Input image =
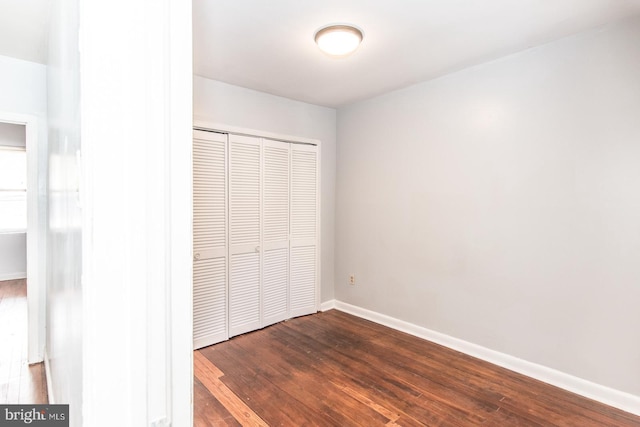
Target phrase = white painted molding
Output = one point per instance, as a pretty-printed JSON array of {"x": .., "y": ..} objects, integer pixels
[
  {"x": 47, "y": 372},
  {"x": 200, "y": 123},
  {"x": 328, "y": 305},
  {"x": 13, "y": 276},
  {"x": 609, "y": 396}
]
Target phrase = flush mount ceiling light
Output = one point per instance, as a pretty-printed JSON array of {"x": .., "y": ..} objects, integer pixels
[{"x": 338, "y": 40}]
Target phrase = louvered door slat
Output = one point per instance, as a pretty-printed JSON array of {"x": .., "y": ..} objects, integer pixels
[
  {"x": 244, "y": 233},
  {"x": 244, "y": 295},
  {"x": 275, "y": 231},
  {"x": 303, "y": 279},
  {"x": 255, "y": 209},
  {"x": 275, "y": 285},
  {"x": 304, "y": 230},
  {"x": 245, "y": 191},
  {"x": 209, "y": 302},
  {"x": 209, "y": 238}
]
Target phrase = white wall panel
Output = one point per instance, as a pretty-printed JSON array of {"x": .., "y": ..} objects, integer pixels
[
  {"x": 65, "y": 294},
  {"x": 136, "y": 191}
]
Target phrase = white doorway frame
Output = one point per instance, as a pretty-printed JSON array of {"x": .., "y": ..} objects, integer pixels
[{"x": 35, "y": 265}]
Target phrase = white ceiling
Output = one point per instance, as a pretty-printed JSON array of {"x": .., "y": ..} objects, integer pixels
[
  {"x": 24, "y": 26},
  {"x": 268, "y": 45}
]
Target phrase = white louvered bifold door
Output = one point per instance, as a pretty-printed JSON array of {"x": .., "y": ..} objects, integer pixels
[
  {"x": 275, "y": 231},
  {"x": 304, "y": 230},
  {"x": 244, "y": 234},
  {"x": 209, "y": 238}
]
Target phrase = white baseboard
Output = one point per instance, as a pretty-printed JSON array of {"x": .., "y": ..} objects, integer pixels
[
  {"x": 13, "y": 276},
  {"x": 47, "y": 371},
  {"x": 328, "y": 305},
  {"x": 622, "y": 400}
]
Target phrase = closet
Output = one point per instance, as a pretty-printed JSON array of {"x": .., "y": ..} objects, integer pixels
[{"x": 255, "y": 233}]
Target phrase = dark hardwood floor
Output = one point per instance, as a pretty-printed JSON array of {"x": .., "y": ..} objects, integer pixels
[
  {"x": 334, "y": 369},
  {"x": 19, "y": 381}
]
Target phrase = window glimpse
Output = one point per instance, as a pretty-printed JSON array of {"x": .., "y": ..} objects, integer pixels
[{"x": 13, "y": 189}]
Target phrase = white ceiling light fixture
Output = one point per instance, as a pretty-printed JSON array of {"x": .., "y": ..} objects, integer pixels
[{"x": 338, "y": 40}]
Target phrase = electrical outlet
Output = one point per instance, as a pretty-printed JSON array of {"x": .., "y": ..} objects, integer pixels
[{"x": 352, "y": 279}]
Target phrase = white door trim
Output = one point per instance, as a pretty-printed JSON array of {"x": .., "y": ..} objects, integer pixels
[{"x": 179, "y": 86}]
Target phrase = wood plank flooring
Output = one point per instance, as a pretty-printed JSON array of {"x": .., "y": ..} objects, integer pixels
[
  {"x": 334, "y": 369},
  {"x": 19, "y": 382}
]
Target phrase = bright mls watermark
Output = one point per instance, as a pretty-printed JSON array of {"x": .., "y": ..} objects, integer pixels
[{"x": 34, "y": 415}]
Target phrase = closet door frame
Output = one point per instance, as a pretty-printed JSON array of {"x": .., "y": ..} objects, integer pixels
[{"x": 205, "y": 125}]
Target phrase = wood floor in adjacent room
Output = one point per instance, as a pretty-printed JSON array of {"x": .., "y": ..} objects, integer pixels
[
  {"x": 19, "y": 382},
  {"x": 334, "y": 369}
]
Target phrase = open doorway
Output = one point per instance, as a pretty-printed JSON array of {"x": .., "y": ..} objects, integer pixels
[
  {"x": 21, "y": 312},
  {"x": 13, "y": 202}
]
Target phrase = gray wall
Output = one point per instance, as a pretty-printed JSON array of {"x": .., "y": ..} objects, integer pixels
[
  {"x": 13, "y": 256},
  {"x": 235, "y": 106},
  {"x": 12, "y": 135},
  {"x": 500, "y": 205}
]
